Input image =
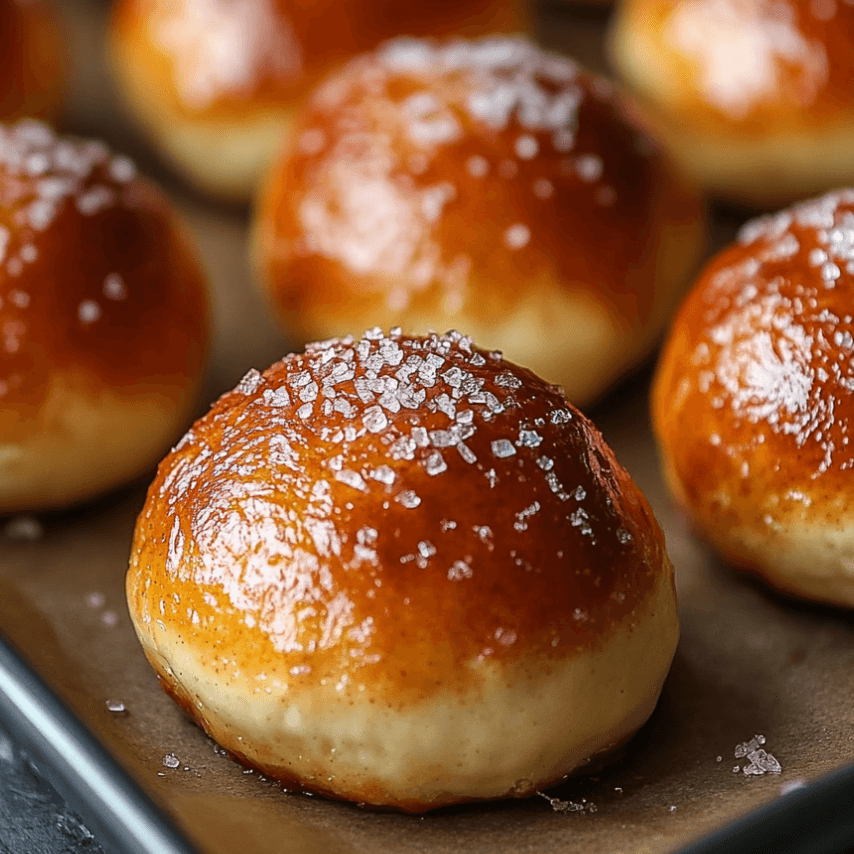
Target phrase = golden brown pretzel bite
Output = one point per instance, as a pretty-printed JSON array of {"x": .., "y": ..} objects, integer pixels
[
  {"x": 753, "y": 405},
  {"x": 405, "y": 572},
  {"x": 103, "y": 320},
  {"x": 753, "y": 97},
  {"x": 485, "y": 185}
]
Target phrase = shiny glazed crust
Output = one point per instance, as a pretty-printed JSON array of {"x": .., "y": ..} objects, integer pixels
[
  {"x": 483, "y": 185},
  {"x": 104, "y": 320},
  {"x": 33, "y": 61},
  {"x": 754, "y": 97},
  {"x": 217, "y": 81},
  {"x": 752, "y": 403},
  {"x": 405, "y": 572}
]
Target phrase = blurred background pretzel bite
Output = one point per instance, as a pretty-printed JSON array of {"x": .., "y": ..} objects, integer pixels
[
  {"x": 217, "y": 82},
  {"x": 103, "y": 320},
  {"x": 485, "y": 185},
  {"x": 753, "y": 97}
]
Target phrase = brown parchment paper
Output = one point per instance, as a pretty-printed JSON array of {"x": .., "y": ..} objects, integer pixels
[{"x": 749, "y": 661}]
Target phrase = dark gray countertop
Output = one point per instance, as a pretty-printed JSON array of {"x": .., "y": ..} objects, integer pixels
[{"x": 33, "y": 817}]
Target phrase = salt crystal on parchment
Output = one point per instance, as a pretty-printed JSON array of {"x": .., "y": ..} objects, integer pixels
[{"x": 759, "y": 761}]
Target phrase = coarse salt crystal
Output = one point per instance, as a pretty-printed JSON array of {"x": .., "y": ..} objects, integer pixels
[
  {"x": 435, "y": 463},
  {"x": 517, "y": 236},
  {"x": 114, "y": 287},
  {"x": 88, "y": 311},
  {"x": 589, "y": 167},
  {"x": 408, "y": 499},
  {"x": 502, "y": 448},
  {"x": 477, "y": 166},
  {"x": 351, "y": 478},
  {"x": 527, "y": 147}
]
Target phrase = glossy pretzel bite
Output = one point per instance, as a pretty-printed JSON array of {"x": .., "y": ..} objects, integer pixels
[
  {"x": 753, "y": 405},
  {"x": 33, "y": 62},
  {"x": 485, "y": 185},
  {"x": 754, "y": 97},
  {"x": 405, "y": 572},
  {"x": 103, "y": 320},
  {"x": 216, "y": 82}
]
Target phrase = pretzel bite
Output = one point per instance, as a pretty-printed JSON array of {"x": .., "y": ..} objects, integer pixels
[
  {"x": 405, "y": 572},
  {"x": 103, "y": 320},
  {"x": 484, "y": 185},
  {"x": 32, "y": 60},
  {"x": 217, "y": 82},
  {"x": 754, "y": 97},
  {"x": 752, "y": 402}
]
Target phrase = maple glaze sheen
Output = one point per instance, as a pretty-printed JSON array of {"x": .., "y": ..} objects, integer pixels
[
  {"x": 752, "y": 403},
  {"x": 392, "y": 550},
  {"x": 232, "y": 57},
  {"x": 32, "y": 60},
  {"x": 484, "y": 185}
]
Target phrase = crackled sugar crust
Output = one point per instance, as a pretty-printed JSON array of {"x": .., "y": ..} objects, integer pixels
[
  {"x": 403, "y": 571},
  {"x": 753, "y": 400}
]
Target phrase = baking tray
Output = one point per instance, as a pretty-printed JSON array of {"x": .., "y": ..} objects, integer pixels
[{"x": 750, "y": 663}]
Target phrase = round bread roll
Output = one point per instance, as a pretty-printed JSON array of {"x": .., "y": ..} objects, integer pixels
[
  {"x": 753, "y": 400},
  {"x": 405, "y": 572},
  {"x": 33, "y": 62},
  {"x": 217, "y": 82},
  {"x": 103, "y": 318},
  {"x": 483, "y": 185},
  {"x": 753, "y": 97}
]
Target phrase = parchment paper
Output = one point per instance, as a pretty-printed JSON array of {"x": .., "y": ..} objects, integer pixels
[{"x": 749, "y": 662}]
